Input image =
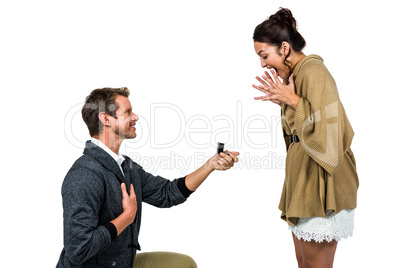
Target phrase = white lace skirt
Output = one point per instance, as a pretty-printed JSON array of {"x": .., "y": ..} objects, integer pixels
[{"x": 333, "y": 226}]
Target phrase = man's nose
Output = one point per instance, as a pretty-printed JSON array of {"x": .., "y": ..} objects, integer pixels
[{"x": 134, "y": 117}]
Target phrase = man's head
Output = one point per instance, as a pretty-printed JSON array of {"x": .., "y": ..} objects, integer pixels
[{"x": 109, "y": 108}]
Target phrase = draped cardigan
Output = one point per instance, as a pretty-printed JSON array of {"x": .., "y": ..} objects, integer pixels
[{"x": 320, "y": 173}]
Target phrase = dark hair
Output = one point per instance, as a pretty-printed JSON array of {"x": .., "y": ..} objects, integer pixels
[
  {"x": 101, "y": 100},
  {"x": 278, "y": 28}
]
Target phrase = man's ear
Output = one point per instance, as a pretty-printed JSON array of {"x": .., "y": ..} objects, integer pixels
[
  {"x": 104, "y": 118},
  {"x": 285, "y": 48}
]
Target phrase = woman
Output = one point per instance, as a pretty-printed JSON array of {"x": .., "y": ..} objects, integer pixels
[{"x": 320, "y": 187}]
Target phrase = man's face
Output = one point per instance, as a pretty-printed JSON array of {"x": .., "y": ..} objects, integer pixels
[{"x": 124, "y": 123}]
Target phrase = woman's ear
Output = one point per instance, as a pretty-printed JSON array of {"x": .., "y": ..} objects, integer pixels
[
  {"x": 104, "y": 118},
  {"x": 285, "y": 48}
]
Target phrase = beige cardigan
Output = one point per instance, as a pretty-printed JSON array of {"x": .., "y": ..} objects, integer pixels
[{"x": 320, "y": 169}]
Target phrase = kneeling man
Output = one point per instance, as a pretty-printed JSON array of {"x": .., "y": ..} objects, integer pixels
[{"x": 104, "y": 190}]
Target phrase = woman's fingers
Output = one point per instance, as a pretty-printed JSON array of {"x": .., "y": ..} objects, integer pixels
[
  {"x": 269, "y": 80},
  {"x": 291, "y": 82},
  {"x": 263, "y": 98},
  {"x": 276, "y": 78},
  {"x": 263, "y": 82},
  {"x": 265, "y": 87},
  {"x": 263, "y": 90},
  {"x": 260, "y": 88},
  {"x": 271, "y": 87}
]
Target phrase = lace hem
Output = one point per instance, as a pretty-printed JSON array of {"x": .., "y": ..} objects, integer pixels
[{"x": 320, "y": 229}]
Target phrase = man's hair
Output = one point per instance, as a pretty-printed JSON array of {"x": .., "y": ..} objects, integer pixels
[{"x": 101, "y": 100}]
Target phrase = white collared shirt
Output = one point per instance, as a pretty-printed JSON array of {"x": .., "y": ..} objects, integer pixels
[{"x": 118, "y": 157}]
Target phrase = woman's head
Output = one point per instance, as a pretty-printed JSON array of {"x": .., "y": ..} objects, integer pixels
[{"x": 278, "y": 34}]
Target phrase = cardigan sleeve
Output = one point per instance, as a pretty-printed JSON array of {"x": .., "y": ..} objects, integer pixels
[
  {"x": 320, "y": 119},
  {"x": 161, "y": 192},
  {"x": 82, "y": 196}
]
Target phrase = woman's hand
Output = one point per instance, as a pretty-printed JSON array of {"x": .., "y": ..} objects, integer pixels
[{"x": 276, "y": 91}]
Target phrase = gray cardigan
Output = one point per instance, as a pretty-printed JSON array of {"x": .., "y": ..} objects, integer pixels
[{"x": 92, "y": 198}]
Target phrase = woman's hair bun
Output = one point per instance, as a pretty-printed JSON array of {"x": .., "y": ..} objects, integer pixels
[{"x": 284, "y": 16}]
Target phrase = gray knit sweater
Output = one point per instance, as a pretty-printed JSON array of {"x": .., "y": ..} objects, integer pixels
[{"x": 92, "y": 198}]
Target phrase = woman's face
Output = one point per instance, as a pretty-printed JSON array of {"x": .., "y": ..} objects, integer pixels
[{"x": 272, "y": 58}]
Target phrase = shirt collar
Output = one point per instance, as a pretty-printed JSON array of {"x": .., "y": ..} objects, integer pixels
[{"x": 117, "y": 157}]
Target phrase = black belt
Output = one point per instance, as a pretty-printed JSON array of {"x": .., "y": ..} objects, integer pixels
[{"x": 295, "y": 138}]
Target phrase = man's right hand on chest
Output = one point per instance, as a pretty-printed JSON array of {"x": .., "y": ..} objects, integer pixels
[{"x": 129, "y": 203}]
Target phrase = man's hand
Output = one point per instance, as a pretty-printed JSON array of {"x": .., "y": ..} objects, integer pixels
[
  {"x": 129, "y": 203},
  {"x": 217, "y": 162},
  {"x": 223, "y": 161}
]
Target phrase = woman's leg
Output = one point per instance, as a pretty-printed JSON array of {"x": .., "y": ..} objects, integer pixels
[
  {"x": 299, "y": 255},
  {"x": 317, "y": 255}
]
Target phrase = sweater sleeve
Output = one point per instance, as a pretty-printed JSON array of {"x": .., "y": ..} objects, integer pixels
[
  {"x": 181, "y": 184},
  {"x": 320, "y": 120},
  {"x": 161, "y": 192},
  {"x": 82, "y": 196}
]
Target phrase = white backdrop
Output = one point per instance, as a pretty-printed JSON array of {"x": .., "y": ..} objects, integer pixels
[{"x": 190, "y": 66}]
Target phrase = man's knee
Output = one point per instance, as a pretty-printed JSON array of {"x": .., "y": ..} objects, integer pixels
[
  {"x": 181, "y": 260},
  {"x": 186, "y": 261},
  {"x": 164, "y": 260}
]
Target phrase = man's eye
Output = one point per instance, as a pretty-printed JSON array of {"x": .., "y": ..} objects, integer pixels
[{"x": 265, "y": 57}]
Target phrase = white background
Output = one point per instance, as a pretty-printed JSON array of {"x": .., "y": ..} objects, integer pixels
[{"x": 187, "y": 62}]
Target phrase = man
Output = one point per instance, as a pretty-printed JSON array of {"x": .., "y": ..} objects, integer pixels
[{"x": 104, "y": 190}]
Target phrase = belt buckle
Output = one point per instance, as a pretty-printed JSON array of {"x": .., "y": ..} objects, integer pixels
[{"x": 295, "y": 138}]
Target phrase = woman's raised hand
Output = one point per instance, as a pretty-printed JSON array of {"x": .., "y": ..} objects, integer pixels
[{"x": 276, "y": 91}]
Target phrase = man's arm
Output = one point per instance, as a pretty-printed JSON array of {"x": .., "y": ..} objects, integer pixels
[
  {"x": 163, "y": 193},
  {"x": 217, "y": 162}
]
